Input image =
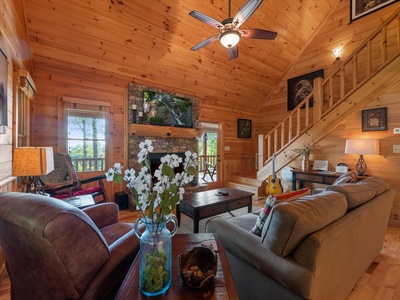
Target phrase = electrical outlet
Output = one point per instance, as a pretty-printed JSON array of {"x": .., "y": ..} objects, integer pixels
[
  {"x": 396, "y": 148},
  {"x": 227, "y": 148},
  {"x": 396, "y": 130}
]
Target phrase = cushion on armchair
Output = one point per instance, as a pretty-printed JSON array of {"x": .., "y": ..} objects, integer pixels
[
  {"x": 290, "y": 222},
  {"x": 270, "y": 203}
]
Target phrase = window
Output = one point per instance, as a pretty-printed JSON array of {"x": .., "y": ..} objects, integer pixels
[
  {"x": 23, "y": 119},
  {"x": 86, "y": 134}
]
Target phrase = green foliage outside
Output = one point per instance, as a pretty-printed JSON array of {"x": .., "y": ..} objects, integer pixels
[{"x": 86, "y": 142}]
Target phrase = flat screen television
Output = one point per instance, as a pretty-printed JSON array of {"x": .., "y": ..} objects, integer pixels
[{"x": 166, "y": 110}]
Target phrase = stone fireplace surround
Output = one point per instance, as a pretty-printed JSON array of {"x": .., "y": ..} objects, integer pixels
[{"x": 162, "y": 145}]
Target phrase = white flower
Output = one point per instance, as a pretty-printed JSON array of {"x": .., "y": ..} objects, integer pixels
[
  {"x": 145, "y": 192},
  {"x": 110, "y": 174}
]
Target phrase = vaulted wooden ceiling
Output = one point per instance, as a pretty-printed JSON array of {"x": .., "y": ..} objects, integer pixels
[{"x": 149, "y": 42}]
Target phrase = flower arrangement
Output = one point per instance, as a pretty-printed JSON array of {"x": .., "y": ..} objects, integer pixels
[
  {"x": 306, "y": 150},
  {"x": 156, "y": 200}
]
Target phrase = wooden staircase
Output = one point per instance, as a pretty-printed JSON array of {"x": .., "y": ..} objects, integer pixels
[
  {"x": 368, "y": 72},
  {"x": 251, "y": 185}
]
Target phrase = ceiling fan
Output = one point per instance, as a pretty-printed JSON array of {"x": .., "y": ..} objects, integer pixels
[{"x": 230, "y": 33}]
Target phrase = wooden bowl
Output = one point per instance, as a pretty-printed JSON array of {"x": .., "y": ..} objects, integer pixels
[{"x": 198, "y": 267}]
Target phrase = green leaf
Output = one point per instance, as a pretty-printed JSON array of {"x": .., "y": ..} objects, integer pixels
[
  {"x": 166, "y": 211},
  {"x": 191, "y": 170},
  {"x": 167, "y": 171},
  {"x": 117, "y": 178},
  {"x": 173, "y": 189},
  {"x": 147, "y": 164}
]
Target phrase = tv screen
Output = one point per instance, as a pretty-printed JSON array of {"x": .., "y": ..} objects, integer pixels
[{"x": 165, "y": 109}]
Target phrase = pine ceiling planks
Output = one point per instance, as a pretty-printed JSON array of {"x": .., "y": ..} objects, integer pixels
[{"x": 149, "y": 42}]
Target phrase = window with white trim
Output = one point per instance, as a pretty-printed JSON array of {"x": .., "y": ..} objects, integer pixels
[{"x": 86, "y": 136}]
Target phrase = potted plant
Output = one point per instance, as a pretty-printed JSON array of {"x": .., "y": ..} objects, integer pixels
[{"x": 305, "y": 152}]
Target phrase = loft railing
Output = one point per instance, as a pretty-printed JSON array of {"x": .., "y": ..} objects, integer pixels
[{"x": 379, "y": 50}]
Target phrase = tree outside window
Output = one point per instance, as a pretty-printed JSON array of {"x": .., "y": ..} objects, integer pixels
[{"x": 87, "y": 139}]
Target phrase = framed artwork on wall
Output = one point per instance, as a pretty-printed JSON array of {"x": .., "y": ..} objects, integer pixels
[
  {"x": 244, "y": 128},
  {"x": 3, "y": 89},
  {"x": 360, "y": 8},
  {"x": 374, "y": 119},
  {"x": 300, "y": 87}
]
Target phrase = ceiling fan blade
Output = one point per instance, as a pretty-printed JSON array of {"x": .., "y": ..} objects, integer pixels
[
  {"x": 246, "y": 11},
  {"x": 205, "y": 42},
  {"x": 254, "y": 33},
  {"x": 206, "y": 19},
  {"x": 233, "y": 52}
]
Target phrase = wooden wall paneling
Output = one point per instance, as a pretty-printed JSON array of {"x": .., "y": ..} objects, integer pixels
[
  {"x": 337, "y": 31},
  {"x": 385, "y": 165}
]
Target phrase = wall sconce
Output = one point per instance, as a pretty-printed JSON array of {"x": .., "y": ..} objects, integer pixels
[
  {"x": 362, "y": 147},
  {"x": 337, "y": 53}
]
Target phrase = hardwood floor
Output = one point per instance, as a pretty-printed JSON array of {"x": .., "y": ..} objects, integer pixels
[{"x": 381, "y": 280}]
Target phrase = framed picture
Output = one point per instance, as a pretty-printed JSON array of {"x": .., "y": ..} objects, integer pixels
[
  {"x": 374, "y": 119},
  {"x": 3, "y": 88},
  {"x": 300, "y": 87},
  {"x": 244, "y": 128},
  {"x": 360, "y": 8}
]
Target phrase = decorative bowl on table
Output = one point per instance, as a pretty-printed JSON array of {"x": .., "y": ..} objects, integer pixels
[{"x": 198, "y": 267}]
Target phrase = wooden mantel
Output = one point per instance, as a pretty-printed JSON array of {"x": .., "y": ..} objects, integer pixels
[{"x": 163, "y": 131}]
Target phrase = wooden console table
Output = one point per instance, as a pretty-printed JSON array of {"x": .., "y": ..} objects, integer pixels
[
  {"x": 223, "y": 287},
  {"x": 314, "y": 176}
]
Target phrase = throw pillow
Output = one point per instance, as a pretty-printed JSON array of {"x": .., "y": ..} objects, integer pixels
[
  {"x": 349, "y": 177},
  {"x": 270, "y": 203}
]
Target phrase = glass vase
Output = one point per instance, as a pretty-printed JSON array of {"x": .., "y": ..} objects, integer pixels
[
  {"x": 155, "y": 255},
  {"x": 305, "y": 164}
]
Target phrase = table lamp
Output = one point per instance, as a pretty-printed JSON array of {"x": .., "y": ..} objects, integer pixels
[
  {"x": 362, "y": 147},
  {"x": 33, "y": 162}
]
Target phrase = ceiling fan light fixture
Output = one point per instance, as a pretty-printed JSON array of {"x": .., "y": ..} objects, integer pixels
[{"x": 229, "y": 38}]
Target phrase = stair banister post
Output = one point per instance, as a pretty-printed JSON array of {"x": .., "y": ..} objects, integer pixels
[
  {"x": 261, "y": 150},
  {"x": 318, "y": 98}
]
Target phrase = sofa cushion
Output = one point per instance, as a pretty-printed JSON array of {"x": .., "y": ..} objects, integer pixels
[
  {"x": 356, "y": 193},
  {"x": 270, "y": 203},
  {"x": 379, "y": 185},
  {"x": 291, "y": 222}
]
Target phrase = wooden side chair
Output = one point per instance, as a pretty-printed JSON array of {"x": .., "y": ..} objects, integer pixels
[
  {"x": 209, "y": 169},
  {"x": 64, "y": 182}
]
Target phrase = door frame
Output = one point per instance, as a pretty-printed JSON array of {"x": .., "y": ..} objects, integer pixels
[{"x": 215, "y": 128}]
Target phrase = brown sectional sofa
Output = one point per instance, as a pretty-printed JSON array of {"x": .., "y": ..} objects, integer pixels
[{"x": 315, "y": 247}]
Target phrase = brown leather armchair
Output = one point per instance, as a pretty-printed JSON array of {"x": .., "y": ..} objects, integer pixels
[{"x": 56, "y": 251}]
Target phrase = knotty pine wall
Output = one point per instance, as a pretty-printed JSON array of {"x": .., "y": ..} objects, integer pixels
[
  {"x": 336, "y": 32},
  {"x": 339, "y": 32},
  {"x": 12, "y": 43},
  {"x": 387, "y": 164}
]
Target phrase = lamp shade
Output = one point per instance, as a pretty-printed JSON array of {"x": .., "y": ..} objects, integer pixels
[
  {"x": 32, "y": 161},
  {"x": 363, "y": 147}
]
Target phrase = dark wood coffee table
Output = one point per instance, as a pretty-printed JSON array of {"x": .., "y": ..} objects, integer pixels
[
  {"x": 222, "y": 288},
  {"x": 205, "y": 204}
]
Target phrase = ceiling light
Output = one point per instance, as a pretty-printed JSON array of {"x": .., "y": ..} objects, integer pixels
[{"x": 229, "y": 38}]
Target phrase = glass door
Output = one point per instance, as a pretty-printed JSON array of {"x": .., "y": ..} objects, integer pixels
[{"x": 209, "y": 156}]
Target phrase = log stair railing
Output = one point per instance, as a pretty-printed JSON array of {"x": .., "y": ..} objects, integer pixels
[{"x": 369, "y": 71}]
